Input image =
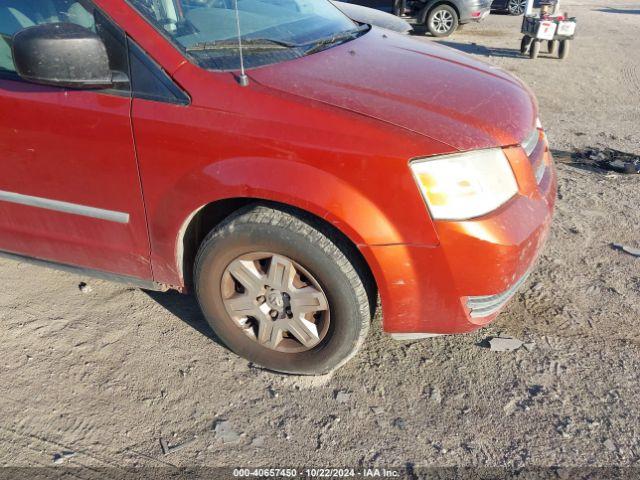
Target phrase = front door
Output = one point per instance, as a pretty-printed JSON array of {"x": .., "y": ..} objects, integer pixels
[{"x": 69, "y": 184}]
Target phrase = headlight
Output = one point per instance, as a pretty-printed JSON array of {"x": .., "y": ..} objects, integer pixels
[{"x": 466, "y": 185}]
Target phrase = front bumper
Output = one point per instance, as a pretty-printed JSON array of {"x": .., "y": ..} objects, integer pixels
[{"x": 464, "y": 282}]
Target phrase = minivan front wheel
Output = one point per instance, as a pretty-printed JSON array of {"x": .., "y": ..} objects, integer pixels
[
  {"x": 280, "y": 293},
  {"x": 442, "y": 21}
]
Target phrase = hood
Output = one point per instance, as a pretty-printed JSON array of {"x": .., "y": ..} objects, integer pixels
[{"x": 421, "y": 86}]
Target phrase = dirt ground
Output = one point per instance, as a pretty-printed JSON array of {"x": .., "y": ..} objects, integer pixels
[{"x": 105, "y": 374}]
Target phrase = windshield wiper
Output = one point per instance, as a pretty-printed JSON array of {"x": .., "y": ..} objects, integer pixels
[
  {"x": 339, "y": 37},
  {"x": 271, "y": 44},
  {"x": 249, "y": 43}
]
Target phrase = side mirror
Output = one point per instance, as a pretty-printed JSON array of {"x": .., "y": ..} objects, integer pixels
[{"x": 63, "y": 55}]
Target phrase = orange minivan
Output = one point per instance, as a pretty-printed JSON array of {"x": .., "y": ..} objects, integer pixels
[{"x": 283, "y": 162}]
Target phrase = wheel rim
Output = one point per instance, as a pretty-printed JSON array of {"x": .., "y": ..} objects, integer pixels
[
  {"x": 275, "y": 302},
  {"x": 517, "y": 7},
  {"x": 442, "y": 21}
]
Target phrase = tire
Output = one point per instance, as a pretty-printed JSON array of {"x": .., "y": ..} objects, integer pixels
[
  {"x": 534, "y": 49},
  {"x": 442, "y": 21},
  {"x": 552, "y": 46},
  {"x": 316, "y": 261},
  {"x": 563, "y": 50},
  {"x": 525, "y": 44},
  {"x": 516, "y": 7}
]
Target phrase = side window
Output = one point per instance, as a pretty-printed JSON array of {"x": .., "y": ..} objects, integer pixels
[{"x": 16, "y": 15}]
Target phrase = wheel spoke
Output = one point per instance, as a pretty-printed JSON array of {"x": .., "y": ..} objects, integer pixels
[
  {"x": 281, "y": 273},
  {"x": 269, "y": 333},
  {"x": 241, "y": 305},
  {"x": 305, "y": 331},
  {"x": 308, "y": 300},
  {"x": 246, "y": 272}
]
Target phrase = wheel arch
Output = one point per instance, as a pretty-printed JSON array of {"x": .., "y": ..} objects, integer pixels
[
  {"x": 206, "y": 218},
  {"x": 431, "y": 4},
  {"x": 209, "y": 196}
]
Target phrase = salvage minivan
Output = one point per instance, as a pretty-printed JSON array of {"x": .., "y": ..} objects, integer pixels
[{"x": 288, "y": 187}]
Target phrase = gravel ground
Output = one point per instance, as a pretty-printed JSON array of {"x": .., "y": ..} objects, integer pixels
[{"x": 106, "y": 373}]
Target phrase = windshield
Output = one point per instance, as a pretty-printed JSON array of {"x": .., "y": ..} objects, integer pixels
[{"x": 271, "y": 30}]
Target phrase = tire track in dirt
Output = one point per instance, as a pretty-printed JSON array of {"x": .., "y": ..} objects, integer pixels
[
  {"x": 630, "y": 78},
  {"x": 28, "y": 439}
]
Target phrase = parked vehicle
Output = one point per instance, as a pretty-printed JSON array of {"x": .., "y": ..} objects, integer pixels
[
  {"x": 512, "y": 7},
  {"x": 375, "y": 17},
  {"x": 341, "y": 162},
  {"x": 441, "y": 18}
]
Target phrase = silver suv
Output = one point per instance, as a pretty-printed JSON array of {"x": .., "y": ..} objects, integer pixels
[{"x": 441, "y": 17}]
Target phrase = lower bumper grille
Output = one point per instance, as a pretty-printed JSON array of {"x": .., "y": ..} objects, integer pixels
[{"x": 486, "y": 305}]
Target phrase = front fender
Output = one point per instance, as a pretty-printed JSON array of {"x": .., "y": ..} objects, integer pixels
[{"x": 294, "y": 183}]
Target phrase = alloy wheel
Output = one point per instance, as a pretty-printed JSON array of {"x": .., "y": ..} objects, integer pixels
[
  {"x": 517, "y": 7},
  {"x": 276, "y": 302},
  {"x": 442, "y": 21}
]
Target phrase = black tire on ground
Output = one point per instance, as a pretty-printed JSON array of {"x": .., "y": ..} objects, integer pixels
[
  {"x": 263, "y": 229},
  {"x": 525, "y": 44},
  {"x": 442, "y": 21},
  {"x": 534, "y": 49},
  {"x": 563, "y": 50}
]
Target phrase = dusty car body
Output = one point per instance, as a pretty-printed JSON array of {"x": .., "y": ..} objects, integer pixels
[{"x": 174, "y": 175}]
